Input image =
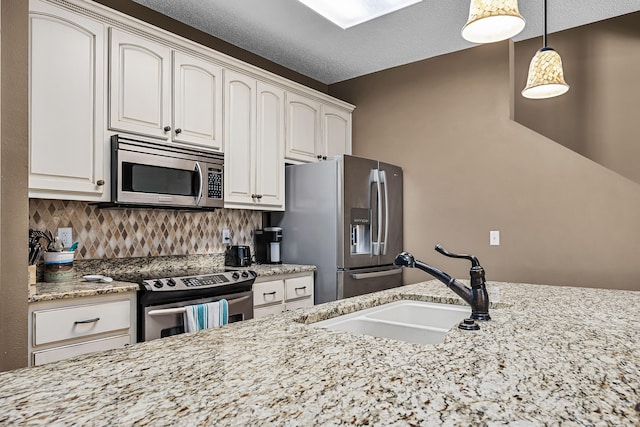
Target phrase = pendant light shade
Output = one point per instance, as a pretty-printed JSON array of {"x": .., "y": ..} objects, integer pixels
[
  {"x": 492, "y": 20},
  {"x": 546, "y": 76}
]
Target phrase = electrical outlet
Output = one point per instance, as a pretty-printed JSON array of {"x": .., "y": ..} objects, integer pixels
[
  {"x": 494, "y": 238},
  {"x": 65, "y": 236},
  {"x": 226, "y": 236}
]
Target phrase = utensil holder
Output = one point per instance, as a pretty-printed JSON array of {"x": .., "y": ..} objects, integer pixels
[{"x": 58, "y": 266}]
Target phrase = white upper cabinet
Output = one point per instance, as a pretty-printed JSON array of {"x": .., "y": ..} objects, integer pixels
[
  {"x": 140, "y": 92},
  {"x": 303, "y": 128},
  {"x": 316, "y": 131},
  {"x": 254, "y": 136},
  {"x": 336, "y": 132},
  {"x": 270, "y": 147},
  {"x": 197, "y": 102},
  {"x": 66, "y": 99}
]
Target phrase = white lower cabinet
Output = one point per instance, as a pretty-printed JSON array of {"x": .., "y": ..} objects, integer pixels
[
  {"x": 67, "y": 328},
  {"x": 275, "y": 294}
]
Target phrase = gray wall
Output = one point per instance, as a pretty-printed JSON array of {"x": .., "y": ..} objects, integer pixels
[
  {"x": 14, "y": 209},
  {"x": 598, "y": 116}
]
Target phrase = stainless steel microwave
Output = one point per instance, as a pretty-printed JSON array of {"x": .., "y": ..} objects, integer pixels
[{"x": 148, "y": 174}]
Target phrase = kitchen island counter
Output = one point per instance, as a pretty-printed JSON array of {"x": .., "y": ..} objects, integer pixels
[{"x": 550, "y": 355}]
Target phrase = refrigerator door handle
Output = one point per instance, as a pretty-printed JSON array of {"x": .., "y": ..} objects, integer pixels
[
  {"x": 393, "y": 272},
  {"x": 376, "y": 178},
  {"x": 383, "y": 179}
]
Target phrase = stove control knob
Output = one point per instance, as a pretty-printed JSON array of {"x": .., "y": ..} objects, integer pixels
[
  {"x": 171, "y": 282},
  {"x": 245, "y": 274},
  {"x": 235, "y": 275},
  {"x": 158, "y": 284}
]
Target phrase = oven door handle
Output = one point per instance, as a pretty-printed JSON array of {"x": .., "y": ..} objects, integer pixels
[{"x": 178, "y": 310}]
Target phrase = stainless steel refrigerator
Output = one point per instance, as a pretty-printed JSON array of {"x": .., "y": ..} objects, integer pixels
[{"x": 344, "y": 215}]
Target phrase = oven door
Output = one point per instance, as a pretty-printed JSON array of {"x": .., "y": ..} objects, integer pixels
[
  {"x": 159, "y": 321},
  {"x": 144, "y": 178}
]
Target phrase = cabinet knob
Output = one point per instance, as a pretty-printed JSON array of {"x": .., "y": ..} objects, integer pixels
[
  {"x": 319, "y": 156},
  {"x": 253, "y": 196},
  {"x": 167, "y": 128},
  {"x": 259, "y": 196},
  {"x": 100, "y": 182},
  {"x": 324, "y": 157},
  {"x": 178, "y": 131}
]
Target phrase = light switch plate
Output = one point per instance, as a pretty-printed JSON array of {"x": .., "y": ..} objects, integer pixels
[{"x": 226, "y": 236}]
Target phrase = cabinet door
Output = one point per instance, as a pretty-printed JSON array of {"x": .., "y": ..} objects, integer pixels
[
  {"x": 270, "y": 147},
  {"x": 197, "y": 102},
  {"x": 303, "y": 128},
  {"x": 239, "y": 131},
  {"x": 336, "y": 132},
  {"x": 66, "y": 143},
  {"x": 140, "y": 78}
]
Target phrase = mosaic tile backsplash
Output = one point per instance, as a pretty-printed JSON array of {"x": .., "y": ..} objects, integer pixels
[{"x": 124, "y": 233}]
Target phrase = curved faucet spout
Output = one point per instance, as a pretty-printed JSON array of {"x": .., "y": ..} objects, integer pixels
[{"x": 476, "y": 296}]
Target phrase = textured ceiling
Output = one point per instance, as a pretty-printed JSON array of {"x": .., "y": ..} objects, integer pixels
[{"x": 292, "y": 35}]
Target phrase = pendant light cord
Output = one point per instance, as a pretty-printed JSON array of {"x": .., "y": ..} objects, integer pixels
[{"x": 544, "y": 37}]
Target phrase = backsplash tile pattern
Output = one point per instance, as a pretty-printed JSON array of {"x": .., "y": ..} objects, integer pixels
[{"x": 124, "y": 233}]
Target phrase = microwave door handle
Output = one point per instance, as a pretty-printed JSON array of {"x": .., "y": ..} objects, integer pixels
[{"x": 199, "y": 170}]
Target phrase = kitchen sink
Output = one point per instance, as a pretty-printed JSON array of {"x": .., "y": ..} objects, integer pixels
[{"x": 409, "y": 321}]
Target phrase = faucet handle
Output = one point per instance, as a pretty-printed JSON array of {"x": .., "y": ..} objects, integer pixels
[{"x": 472, "y": 258}]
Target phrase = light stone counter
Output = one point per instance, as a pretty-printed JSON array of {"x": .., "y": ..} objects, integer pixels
[
  {"x": 549, "y": 356},
  {"x": 81, "y": 288}
]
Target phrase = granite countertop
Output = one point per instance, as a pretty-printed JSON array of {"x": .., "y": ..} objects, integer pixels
[
  {"x": 81, "y": 288},
  {"x": 549, "y": 356}
]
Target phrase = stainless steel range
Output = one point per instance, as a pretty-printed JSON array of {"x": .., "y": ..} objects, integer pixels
[{"x": 162, "y": 297}]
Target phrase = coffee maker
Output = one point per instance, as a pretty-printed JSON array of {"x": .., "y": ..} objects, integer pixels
[{"x": 268, "y": 245}]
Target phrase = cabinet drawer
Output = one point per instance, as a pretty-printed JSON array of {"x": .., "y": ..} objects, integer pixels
[
  {"x": 304, "y": 302},
  {"x": 59, "y": 353},
  {"x": 298, "y": 287},
  {"x": 268, "y": 310},
  {"x": 80, "y": 321},
  {"x": 268, "y": 292}
]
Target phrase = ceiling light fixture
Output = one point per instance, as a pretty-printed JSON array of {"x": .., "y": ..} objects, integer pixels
[
  {"x": 546, "y": 77},
  {"x": 492, "y": 20},
  {"x": 348, "y": 13}
]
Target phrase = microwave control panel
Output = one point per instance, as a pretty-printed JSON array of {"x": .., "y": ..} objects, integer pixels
[{"x": 214, "y": 182}]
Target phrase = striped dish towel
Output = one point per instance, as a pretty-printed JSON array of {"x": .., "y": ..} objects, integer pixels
[{"x": 203, "y": 316}]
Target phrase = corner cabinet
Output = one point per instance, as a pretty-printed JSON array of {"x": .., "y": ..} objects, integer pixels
[
  {"x": 316, "y": 131},
  {"x": 254, "y": 135},
  {"x": 275, "y": 294},
  {"x": 71, "y": 327},
  {"x": 66, "y": 99}
]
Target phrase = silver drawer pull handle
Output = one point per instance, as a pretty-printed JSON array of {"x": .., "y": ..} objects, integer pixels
[
  {"x": 300, "y": 288},
  {"x": 78, "y": 322},
  {"x": 264, "y": 294}
]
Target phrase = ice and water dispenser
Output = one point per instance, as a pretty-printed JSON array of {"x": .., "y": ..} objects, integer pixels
[{"x": 360, "y": 228}]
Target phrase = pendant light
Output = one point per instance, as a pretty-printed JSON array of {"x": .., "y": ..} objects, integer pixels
[
  {"x": 492, "y": 20},
  {"x": 546, "y": 77}
]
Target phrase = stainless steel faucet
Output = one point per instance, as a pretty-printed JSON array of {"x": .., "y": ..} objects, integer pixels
[{"x": 476, "y": 296}]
